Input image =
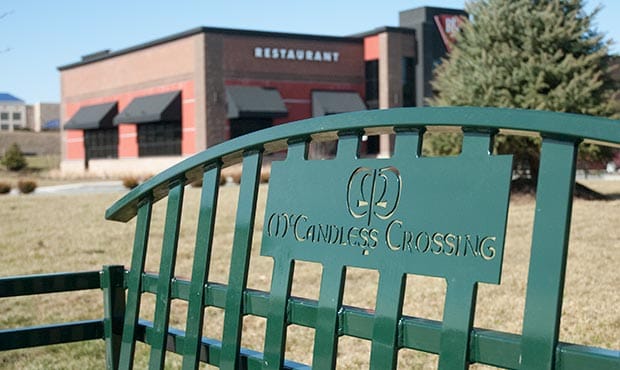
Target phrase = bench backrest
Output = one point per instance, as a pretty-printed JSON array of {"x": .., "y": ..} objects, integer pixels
[{"x": 408, "y": 214}]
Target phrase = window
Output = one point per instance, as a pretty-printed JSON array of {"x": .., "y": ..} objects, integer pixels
[
  {"x": 101, "y": 143},
  {"x": 372, "y": 84},
  {"x": 4, "y": 116},
  {"x": 4, "y": 127},
  {"x": 242, "y": 126},
  {"x": 17, "y": 116},
  {"x": 159, "y": 138},
  {"x": 408, "y": 80}
]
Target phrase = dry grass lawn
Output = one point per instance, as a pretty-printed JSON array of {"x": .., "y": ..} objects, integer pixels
[{"x": 68, "y": 233}]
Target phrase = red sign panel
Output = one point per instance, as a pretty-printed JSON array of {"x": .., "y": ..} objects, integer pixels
[{"x": 449, "y": 26}]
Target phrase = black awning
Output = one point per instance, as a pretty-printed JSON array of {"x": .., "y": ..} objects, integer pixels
[
  {"x": 164, "y": 107},
  {"x": 333, "y": 102},
  {"x": 93, "y": 117},
  {"x": 254, "y": 102}
]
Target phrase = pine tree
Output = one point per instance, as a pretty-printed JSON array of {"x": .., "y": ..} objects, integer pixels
[
  {"x": 534, "y": 54},
  {"x": 14, "y": 159}
]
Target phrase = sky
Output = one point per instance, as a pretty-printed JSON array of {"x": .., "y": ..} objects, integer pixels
[{"x": 38, "y": 36}]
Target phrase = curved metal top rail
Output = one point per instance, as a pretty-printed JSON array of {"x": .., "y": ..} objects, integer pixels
[{"x": 572, "y": 127}]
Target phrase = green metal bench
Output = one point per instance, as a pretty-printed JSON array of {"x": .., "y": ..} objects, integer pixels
[{"x": 400, "y": 215}]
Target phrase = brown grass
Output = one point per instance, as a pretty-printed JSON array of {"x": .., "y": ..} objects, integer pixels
[{"x": 61, "y": 233}]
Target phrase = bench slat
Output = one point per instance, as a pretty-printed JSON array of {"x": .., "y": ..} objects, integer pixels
[
  {"x": 113, "y": 285},
  {"x": 166, "y": 273},
  {"x": 543, "y": 305},
  {"x": 330, "y": 300},
  {"x": 390, "y": 294},
  {"x": 240, "y": 257},
  {"x": 332, "y": 285},
  {"x": 275, "y": 334},
  {"x": 15, "y": 286},
  {"x": 458, "y": 316},
  {"x": 134, "y": 283},
  {"x": 460, "y": 302},
  {"x": 44, "y": 335},
  {"x": 200, "y": 269}
]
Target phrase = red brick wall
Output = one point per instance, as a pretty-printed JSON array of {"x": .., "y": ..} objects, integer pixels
[{"x": 128, "y": 133}]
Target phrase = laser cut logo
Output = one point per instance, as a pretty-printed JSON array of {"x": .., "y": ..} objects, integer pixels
[{"x": 373, "y": 192}]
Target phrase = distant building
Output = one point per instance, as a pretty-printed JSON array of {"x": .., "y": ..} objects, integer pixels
[
  {"x": 15, "y": 114},
  {"x": 146, "y": 107},
  {"x": 12, "y": 113},
  {"x": 45, "y": 116}
]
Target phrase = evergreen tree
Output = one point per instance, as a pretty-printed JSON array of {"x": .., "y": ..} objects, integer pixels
[
  {"x": 14, "y": 159},
  {"x": 535, "y": 54}
]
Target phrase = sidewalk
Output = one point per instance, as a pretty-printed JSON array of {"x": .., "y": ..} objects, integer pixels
[{"x": 79, "y": 188}]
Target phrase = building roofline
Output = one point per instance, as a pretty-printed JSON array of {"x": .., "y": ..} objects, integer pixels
[
  {"x": 107, "y": 54},
  {"x": 10, "y": 98},
  {"x": 436, "y": 9},
  {"x": 378, "y": 30}
]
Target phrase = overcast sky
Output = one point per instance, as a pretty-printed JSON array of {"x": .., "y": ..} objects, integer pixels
[{"x": 38, "y": 36}]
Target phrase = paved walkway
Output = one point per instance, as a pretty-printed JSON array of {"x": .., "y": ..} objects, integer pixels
[{"x": 79, "y": 188}]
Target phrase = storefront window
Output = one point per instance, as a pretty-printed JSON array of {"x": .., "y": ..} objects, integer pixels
[
  {"x": 101, "y": 143},
  {"x": 159, "y": 138},
  {"x": 372, "y": 84},
  {"x": 408, "y": 79}
]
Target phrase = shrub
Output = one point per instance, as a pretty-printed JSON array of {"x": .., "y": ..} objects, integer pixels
[
  {"x": 26, "y": 186},
  {"x": 5, "y": 188},
  {"x": 130, "y": 182},
  {"x": 14, "y": 159}
]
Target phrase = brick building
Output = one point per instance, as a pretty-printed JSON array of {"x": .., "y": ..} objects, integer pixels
[
  {"x": 12, "y": 113},
  {"x": 146, "y": 107}
]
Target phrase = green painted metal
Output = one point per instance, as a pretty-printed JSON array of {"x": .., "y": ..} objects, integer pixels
[
  {"x": 486, "y": 346},
  {"x": 359, "y": 223},
  {"x": 43, "y": 335},
  {"x": 391, "y": 289},
  {"x": 14, "y": 286},
  {"x": 281, "y": 281},
  {"x": 384, "y": 350},
  {"x": 326, "y": 335},
  {"x": 275, "y": 334},
  {"x": 112, "y": 283},
  {"x": 239, "y": 264},
  {"x": 543, "y": 304},
  {"x": 134, "y": 282},
  {"x": 200, "y": 269},
  {"x": 458, "y": 317},
  {"x": 166, "y": 273},
  {"x": 407, "y": 214}
]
